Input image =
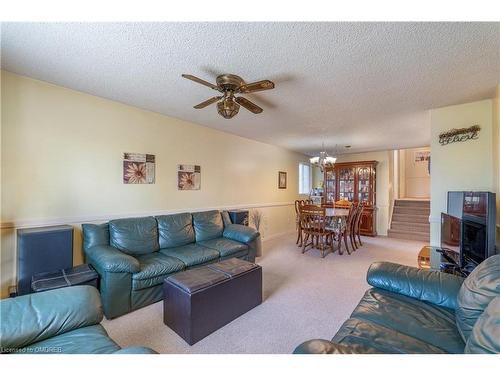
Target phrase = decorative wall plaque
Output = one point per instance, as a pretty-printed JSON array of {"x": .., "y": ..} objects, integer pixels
[{"x": 459, "y": 135}]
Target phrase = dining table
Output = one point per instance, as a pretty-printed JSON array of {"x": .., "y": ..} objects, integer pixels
[{"x": 338, "y": 218}]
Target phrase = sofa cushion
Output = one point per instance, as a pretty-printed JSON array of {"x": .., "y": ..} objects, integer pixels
[
  {"x": 226, "y": 219},
  {"x": 207, "y": 225},
  {"x": 243, "y": 254},
  {"x": 408, "y": 316},
  {"x": 134, "y": 236},
  {"x": 485, "y": 336},
  {"x": 477, "y": 291},
  {"x": 369, "y": 337},
  {"x": 155, "y": 268},
  {"x": 39, "y": 316},
  {"x": 95, "y": 235},
  {"x": 87, "y": 340},
  {"x": 175, "y": 230},
  {"x": 240, "y": 233},
  {"x": 224, "y": 246},
  {"x": 192, "y": 254}
]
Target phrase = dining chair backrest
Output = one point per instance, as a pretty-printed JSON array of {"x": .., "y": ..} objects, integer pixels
[
  {"x": 342, "y": 204},
  {"x": 357, "y": 222},
  {"x": 352, "y": 213},
  {"x": 297, "y": 205},
  {"x": 357, "y": 214},
  {"x": 312, "y": 218}
]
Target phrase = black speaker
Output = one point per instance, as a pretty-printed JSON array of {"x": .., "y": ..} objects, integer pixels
[
  {"x": 43, "y": 249},
  {"x": 239, "y": 216}
]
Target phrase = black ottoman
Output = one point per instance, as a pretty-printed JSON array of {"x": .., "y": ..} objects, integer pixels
[
  {"x": 199, "y": 301},
  {"x": 83, "y": 274}
]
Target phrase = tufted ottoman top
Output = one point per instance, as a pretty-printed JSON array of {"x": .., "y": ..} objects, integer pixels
[{"x": 196, "y": 279}]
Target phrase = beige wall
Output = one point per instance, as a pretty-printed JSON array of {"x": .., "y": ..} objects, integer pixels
[
  {"x": 415, "y": 181},
  {"x": 384, "y": 185},
  {"x": 62, "y": 163},
  {"x": 317, "y": 177},
  {"x": 462, "y": 165}
]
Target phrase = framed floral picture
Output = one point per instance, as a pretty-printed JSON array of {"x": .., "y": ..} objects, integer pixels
[
  {"x": 281, "y": 180},
  {"x": 138, "y": 168},
  {"x": 188, "y": 177}
]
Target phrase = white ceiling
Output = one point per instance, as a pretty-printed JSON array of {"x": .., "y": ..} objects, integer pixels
[{"x": 369, "y": 85}]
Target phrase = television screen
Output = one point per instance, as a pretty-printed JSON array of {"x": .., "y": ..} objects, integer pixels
[
  {"x": 474, "y": 241},
  {"x": 475, "y": 204},
  {"x": 450, "y": 232}
]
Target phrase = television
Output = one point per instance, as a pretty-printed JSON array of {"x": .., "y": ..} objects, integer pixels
[
  {"x": 451, "y": 234},
  {"x": 474, "y": 247}
]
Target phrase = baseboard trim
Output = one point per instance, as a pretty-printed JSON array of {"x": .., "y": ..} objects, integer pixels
[{"x": 42, "y": 222}]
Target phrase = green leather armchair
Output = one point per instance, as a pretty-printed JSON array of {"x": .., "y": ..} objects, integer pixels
[
  {"x": 411, "y": 310},
  {"x": 57, "y": 321},
  {"x": 133, "y": 256}
]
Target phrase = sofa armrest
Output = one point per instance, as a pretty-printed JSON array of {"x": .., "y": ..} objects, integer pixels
[
  {"x": 135, "y": 350},
  {"x": 436, "y": 287},
  {"x": 110, "y": 259},
  {"x": 240, "y": 233},
  {"x": 34, "y": 317},
  {"x": 319, "y": 346}
]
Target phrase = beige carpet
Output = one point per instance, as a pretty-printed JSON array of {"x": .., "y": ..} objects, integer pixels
[{"x": 305, "y": 297}]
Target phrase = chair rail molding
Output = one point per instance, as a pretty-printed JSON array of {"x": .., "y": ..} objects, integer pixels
[{"x": 25, "y": 223}]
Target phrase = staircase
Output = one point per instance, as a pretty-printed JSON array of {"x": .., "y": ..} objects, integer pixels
[{"x": 410, "y": 220}]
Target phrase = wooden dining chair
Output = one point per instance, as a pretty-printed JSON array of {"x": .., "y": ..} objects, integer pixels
[
  {"x": 313, "y": 222},
  {"x": 348, "y": 228},
  {"x": 342, "y": 203},
  {"x": 357, "y": 226},
  {"x": 354, "y": 226},
  {"x": 297, "y": 223}
]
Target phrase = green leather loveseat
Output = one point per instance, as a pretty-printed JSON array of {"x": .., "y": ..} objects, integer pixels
[
  {"x": 133, "y": 256},
  {"x": 60, "y": 321},
  {"x": 410, "y": 310}
]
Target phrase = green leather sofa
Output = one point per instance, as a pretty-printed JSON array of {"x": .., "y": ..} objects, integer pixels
[
  {"x": 410, "y": 310},
  {"x": 60, "y": 321},
  {"x": 133, "y": 256}
]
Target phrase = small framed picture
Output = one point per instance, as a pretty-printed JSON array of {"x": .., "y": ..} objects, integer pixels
[{"x": 281, "y": 180}]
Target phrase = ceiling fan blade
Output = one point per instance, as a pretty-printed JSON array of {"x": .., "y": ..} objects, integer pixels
[
  {"x": 207, "y": 102},
  {"x": 256, "y": 86},
  {"x": 254, "y": 108},
  {"x": 199, "y": 80}
]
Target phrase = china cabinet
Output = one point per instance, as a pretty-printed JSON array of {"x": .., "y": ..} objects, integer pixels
[{"x": 355, "y": 182}]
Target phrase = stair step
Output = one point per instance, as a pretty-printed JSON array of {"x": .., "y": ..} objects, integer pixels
[
  {"x": 410, "y": 218},
  {"x": 409, "y": 203},
  {"x": 417, "y": 236},
  {"x": 411, "y": 227},
  {"x": 412, "y": 210}
]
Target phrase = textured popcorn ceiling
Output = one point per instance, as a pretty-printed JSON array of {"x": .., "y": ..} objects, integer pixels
[{"x": 369, "y": 85}]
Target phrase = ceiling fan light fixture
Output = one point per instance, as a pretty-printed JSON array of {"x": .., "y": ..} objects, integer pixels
[
  {"x": 227, "y": 108},
  {"x": 229, "y": 85}
]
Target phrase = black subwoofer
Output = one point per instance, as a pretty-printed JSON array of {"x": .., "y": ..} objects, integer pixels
[{"x": 40, "y": 250}]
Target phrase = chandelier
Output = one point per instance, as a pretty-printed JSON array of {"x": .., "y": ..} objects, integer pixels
[{"x": 323, "y": 160}]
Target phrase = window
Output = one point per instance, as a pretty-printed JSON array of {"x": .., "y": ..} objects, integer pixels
[{"x": 304, "y": 178}]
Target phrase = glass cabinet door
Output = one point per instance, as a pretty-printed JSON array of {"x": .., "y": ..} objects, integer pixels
[
  {"x": 364, "y": 184},
  {"x": 330, "y": 186},
  {"x": 346, "y": 183}
]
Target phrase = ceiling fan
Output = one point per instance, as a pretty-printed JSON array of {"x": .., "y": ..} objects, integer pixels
[{"x": 229, "y": 84}]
